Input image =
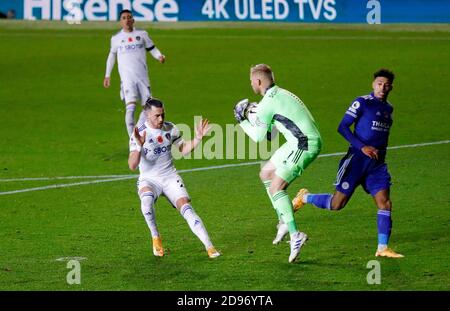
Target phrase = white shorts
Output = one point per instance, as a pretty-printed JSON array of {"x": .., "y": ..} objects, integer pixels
[
  {"x": 171, "y": 186},
  {"x": 134, "y": 91}
]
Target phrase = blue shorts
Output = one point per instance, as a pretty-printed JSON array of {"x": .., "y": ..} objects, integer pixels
[{"x": 357, "y": 169}]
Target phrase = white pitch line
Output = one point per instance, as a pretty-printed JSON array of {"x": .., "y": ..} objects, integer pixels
[
  {"x": 421, "y": 145},
  {"x": 65, "y": 177},
  {"x": 124, "y": 177},
  {"x": 320, "y": 156},
  {"x": 207, "y": 168},
  {"x": 315, "y": 38},
  {"x": 70, "y": 258},
  {"x": 66, "y": 185}
]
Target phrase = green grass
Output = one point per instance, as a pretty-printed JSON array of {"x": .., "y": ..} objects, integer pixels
[{"x": 57, "y": 120}]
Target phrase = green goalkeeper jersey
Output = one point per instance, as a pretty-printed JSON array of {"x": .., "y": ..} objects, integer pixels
[{"x": 289, "y": 114}]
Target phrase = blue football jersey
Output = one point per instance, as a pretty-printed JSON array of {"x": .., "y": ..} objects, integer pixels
[{"x": 373, "y": 120}]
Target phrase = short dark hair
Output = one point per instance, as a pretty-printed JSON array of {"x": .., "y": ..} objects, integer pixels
[
  {"x": 386, "y": 73},
  {"x": 153, "y": 102},
  {"x": 125, "y": 11}
]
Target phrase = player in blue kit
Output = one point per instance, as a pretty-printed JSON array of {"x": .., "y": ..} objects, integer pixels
[{"x": 364, "y": 164}]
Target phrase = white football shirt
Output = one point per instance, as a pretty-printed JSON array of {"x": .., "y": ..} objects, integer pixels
[
  {"x": 132, "y": 54},
  {"x": 156, "y": 155}
]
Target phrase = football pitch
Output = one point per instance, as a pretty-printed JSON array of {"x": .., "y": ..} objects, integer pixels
[{"x": 66, "y": 193}]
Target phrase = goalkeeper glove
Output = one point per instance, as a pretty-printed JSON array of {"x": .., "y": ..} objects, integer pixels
[{"x": 240, "y": 110}]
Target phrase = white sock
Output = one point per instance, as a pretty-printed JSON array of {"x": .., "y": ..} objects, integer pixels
[
  {"x": 305, "y": 198},
  {"x": 147, "y": 200},
  {"x": 141, "y": 119},
  {"x": 196, "y": 224},
  {"x": 381, "y": 247},
  {"x": 129, "y": 118}
]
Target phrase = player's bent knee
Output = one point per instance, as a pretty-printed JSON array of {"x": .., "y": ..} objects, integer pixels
[
  {"x": 265, "y": 175},
  {"x": 275, "y": 188},
  {"x": 262, "y": 176},
  {"x": 181, "y": 202},
  {"x": 339, "y": 201},
  {"x": 385, "y": 205},
  {"x": 337, "y": 205},
  {"x": 144, "y": 189}
]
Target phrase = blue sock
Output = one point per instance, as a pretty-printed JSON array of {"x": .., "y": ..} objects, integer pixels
[
  {"x": 384, "y": 223},
  {"x": 320, "y": 200}
]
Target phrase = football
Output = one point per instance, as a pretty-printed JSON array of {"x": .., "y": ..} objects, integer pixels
[{"x": 250, "y": 112}]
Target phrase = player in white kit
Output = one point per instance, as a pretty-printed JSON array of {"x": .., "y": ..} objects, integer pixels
[
  {"x": 130, "y": 45},
  {"x": 150, "y": 150}
]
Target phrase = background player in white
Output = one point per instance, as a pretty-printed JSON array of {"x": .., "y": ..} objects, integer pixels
[
  {"x": 130, "y": 46},
  {"x": 150, "y": 149}
]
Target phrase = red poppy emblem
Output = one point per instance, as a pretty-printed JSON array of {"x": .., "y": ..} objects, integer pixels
[
  {"x": 160, "y": 139},
  {"x": 130, "y": 39}
]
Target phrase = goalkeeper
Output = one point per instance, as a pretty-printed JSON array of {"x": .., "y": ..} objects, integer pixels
[{"x": 285, "y": 111}]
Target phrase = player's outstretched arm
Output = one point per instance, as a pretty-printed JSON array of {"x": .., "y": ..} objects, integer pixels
[
  {"x": 136, "y": 143},
  {"x": 200, "y": 131}
]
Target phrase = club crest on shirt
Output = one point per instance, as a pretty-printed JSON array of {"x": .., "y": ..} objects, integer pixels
[
  {"x": 138, "y": 38},
  {"x": 168, "y": 136},
  {"x": 386, "y": 115}
]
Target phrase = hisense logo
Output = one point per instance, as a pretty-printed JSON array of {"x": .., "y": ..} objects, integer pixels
[{"x": 75, "y": 11}]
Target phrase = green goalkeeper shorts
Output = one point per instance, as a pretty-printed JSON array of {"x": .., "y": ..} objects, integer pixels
[{"x": 290, "y": 162}]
